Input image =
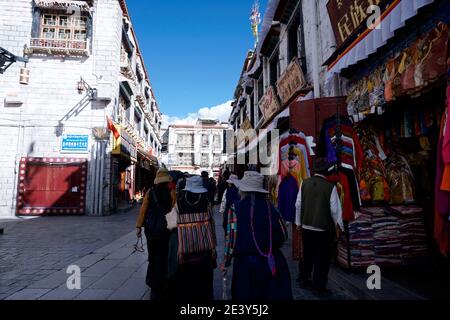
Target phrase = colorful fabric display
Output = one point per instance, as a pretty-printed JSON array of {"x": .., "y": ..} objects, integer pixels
[
  {"x": 386, "y": 236},
  {"x": 287, "y": 195},
  {"x": 400, "y": 179}
]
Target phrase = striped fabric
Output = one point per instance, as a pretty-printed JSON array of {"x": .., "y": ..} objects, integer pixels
[
  {"x": 195, "y": 233},
  {"x": 230, "y": 240}
]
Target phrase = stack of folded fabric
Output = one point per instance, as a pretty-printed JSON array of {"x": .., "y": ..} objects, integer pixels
[
  {"x": 385, "y": 236},
  {"x": 387, "y": 240},
  {"x": 360, "y": 241},
  {"x": 413, "y": 234}
]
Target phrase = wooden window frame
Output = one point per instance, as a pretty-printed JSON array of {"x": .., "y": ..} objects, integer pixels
[{"x": 57, "y": 27}]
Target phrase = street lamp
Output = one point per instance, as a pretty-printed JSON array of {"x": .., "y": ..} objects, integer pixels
[{"x": 7, "y": 59}]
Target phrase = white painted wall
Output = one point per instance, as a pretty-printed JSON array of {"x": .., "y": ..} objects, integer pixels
[
  {"x": 197, "y": 150},
  {"x": 51, "y": 99}
]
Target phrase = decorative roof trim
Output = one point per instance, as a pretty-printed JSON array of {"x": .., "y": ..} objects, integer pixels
[{"x": 62, "y": 4}]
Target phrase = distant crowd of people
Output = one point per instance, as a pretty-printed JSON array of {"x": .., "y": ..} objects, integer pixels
[{"x": 178, "y": 222}]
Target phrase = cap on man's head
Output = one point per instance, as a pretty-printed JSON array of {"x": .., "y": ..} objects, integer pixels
[
  {"x": 205, "y": 174},
  {"x": 321, "y": 165}
]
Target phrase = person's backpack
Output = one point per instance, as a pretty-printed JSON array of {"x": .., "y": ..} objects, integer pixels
[{"x": 155, "y": 219}]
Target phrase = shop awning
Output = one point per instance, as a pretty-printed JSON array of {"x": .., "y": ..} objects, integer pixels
[
  {"x": 392, "y": 19},
  {"x": 62, "y": 4},
  {"x": 255, "y": 67}
]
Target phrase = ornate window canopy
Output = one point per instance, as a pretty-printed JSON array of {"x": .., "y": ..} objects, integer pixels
[{"x": 63, "y": 4}]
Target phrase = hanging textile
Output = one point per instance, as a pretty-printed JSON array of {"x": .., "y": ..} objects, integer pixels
[
  {"x": 339, "y": 144},
  {"x": 400, "y": 179},
  {"x": 442, "y": 201},
  {"x": 446, "y": 131},
  {"x": 294, "y": 157},
  {"x": 373, "y": 183},
  {"x": 342, "y": 184},
  {"x": 287, "y": 195}
]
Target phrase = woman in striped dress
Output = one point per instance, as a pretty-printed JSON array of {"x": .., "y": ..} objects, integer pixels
[{"x": 193, "y": 279}]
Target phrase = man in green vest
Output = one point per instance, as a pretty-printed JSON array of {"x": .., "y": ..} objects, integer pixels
[{"x": 318, "y": 213}]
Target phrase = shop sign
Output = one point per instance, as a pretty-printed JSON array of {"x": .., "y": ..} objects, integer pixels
[
  {"x": 347, "y": 16},
  {"x": 74, "y": 143},
  {"x": 291, "y": 81},
  {"x": 269, "y": 104},
  {"x": 125, "y": 145}
]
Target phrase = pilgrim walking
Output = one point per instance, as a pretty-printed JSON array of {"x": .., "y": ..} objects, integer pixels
[
  {"x": 196, "y": 247},
  {"x": 158, "y": 201},
  {"x": 256, "y": 233}
]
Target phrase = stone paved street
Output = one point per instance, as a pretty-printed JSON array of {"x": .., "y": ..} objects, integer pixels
[{"x": 34, "y": 256}]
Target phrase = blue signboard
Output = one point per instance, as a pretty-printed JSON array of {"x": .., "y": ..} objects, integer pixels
[{"x": 75, "y": 143}]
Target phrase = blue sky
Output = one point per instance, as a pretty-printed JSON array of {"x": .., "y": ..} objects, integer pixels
[{"x": 194, "y": 50}]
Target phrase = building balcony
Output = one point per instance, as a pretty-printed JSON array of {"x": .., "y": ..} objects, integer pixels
[
  {"x": 184, "y": 146},
  {"x": 141, "y": 101},
  {"x": 57, "y": 46}
]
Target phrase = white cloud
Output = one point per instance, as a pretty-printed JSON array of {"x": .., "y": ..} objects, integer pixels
[{"x": 220, "y": 112}]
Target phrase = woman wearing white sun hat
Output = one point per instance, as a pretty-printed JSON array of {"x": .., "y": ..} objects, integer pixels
[
  {"x": 255, "y": 235},
  {"x": 194, "y": 277}
]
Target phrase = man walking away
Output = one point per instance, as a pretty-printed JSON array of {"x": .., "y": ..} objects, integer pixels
[
  {"x": 318, "y": 211},
  {"x": 208, "y": 186},
  {"x": 223, "y": 185}
]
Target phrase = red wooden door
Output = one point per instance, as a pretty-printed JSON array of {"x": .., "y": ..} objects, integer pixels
[{"x": 54, "y": 186}]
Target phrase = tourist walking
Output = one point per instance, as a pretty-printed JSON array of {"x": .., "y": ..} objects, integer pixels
[
  {"x": 196, "y": 248},
  {"x": 318, "y": 212},
  {"x": 157, "y": 202},
  {"x": 256, "y": 233}
]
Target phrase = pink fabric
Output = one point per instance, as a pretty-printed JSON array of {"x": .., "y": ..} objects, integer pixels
[{"x": 446, "y": 144}]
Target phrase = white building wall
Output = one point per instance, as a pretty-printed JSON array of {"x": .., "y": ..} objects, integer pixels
[
  {"x": 197, "y": 149},
  {"x": 51, "y": 103},
  {"x": 326, "y": 43}
]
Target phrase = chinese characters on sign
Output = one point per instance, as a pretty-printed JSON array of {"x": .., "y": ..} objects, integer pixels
[
  {"x": 269, "y": 104},
  {"x": 125, "y": 145},
  {"x": 291, "y": 81},
  {"x": 347, "y": 16},
  {"x": 72, "y": 143}
]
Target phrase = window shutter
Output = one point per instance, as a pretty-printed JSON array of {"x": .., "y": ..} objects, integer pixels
[
  {"x": 89, "y": 30},
  {"x": 36, "y": 24}
]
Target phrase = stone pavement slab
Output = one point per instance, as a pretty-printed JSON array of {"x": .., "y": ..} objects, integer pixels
[
  {"x": 52, "y": 281},
  {"x": 89, "y": 260},
  {"x": 94, "y": 294},
  {"x": 114, "y": 278},
  {"x": 101, "y": 268},
  {"x": 132, "y": 289},
  {"x": 28, "y": 294},
  {"x": 63, "y": 293}
]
